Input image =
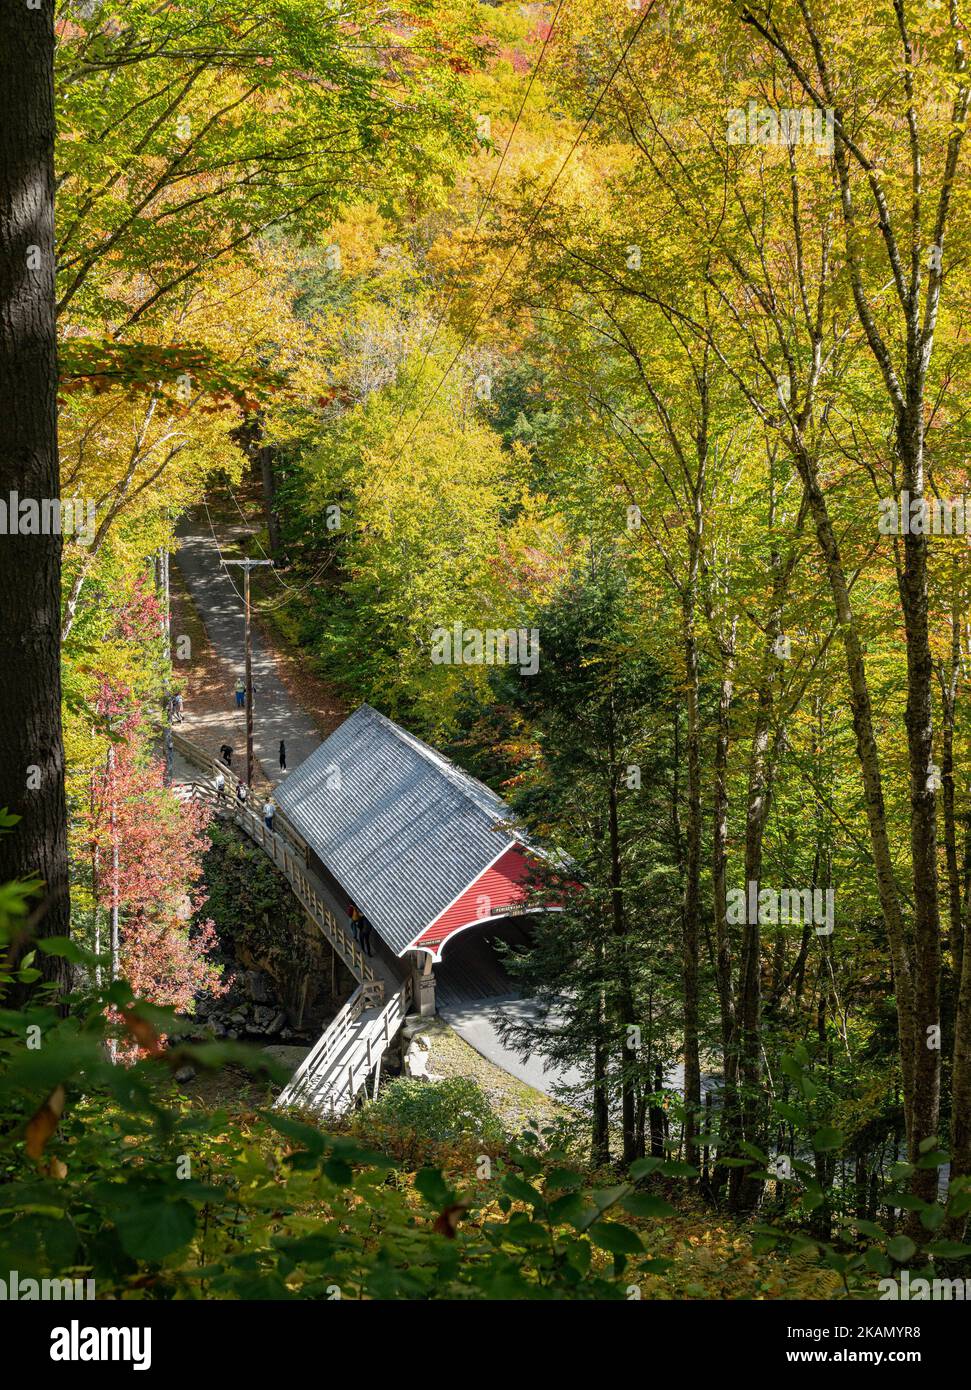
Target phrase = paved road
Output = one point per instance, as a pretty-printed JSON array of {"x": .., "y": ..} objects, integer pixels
[
  {"x": 275, "y": 716},
  {"x": 476, "y": 1023}
]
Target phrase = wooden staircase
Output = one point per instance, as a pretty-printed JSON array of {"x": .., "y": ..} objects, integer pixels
[{"x": 348, "y": 1053}]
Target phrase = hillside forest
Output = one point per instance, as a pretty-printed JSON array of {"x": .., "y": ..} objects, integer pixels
[{"x": 634, "y": 329}]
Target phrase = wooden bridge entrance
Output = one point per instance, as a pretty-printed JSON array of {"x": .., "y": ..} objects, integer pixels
[{"x": 348, "y": 1054}]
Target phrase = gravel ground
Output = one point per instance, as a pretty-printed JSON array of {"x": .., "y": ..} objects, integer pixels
[{"x": 513, "y": 1101}]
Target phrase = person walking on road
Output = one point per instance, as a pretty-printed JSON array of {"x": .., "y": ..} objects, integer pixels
[
  {"x": 240, "y": 693},
  {"x": 283, "y": 756},
  {"x": 269, "y": 811}
]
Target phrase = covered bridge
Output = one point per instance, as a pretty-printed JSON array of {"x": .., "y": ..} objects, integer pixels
[{"x": 422, "y": 848}]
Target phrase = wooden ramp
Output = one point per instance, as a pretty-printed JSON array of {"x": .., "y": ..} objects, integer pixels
[{"x": 349, "y": 1051}]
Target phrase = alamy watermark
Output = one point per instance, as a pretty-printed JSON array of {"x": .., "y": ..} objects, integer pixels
[
  {"x": 918, "y": 516},
  {"x": 16, "y": 1289},
  {"x": 49, "y": 516},
  {"x": 472, "y": 646},
  {"x": 764, "y": 125},
  {"x": 77, "y": 1343},
  {"x": 919, "y": 1290},
  {"x": 781, "y": 907}
]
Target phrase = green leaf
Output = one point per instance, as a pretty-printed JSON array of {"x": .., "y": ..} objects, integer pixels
[
  {"x": 433, "y": 1187},
  {"x": 826, "y": 1139},
  {"x": 296, "y": 1130},
  {"x": 674, "y": 1169},
  {"x": 790, "y": 1113},
  {"x": 615, "y": 1238},
  {"x": 932, "y": 1217},
  {"x": 935, "y": 1159},
  {"x": 563, "y": 1177},
  {"x": 959, "y": 1204},
  {"x": 151, "y": 1230},
  {"x": 643, "y": 1167},
  {"x": 569, "y": 1208},
  {"x": 67, "y": 949},
  {"x": 521, "y": 1191},
  {"x": 901, "y": 1248},
  {"x": 646, "y": 1204}
]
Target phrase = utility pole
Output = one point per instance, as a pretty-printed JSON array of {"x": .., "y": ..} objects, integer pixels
[
  {"x": 115, "y": 887},
  {"x": 246, "y": 566},
  {"x": 163, "y": 585}
]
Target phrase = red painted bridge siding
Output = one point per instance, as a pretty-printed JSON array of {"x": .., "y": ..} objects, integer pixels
[{"x": 500, "y": 887}]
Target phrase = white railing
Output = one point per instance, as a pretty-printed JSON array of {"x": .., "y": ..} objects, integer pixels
[
  {"x": 285, "y": 853},
  {"x": 368, "y": 1050},
  {"x": 330, "y": 1043},
  {"x": 328, "y": 1080},
  {"x": 363, "y": 1041}
]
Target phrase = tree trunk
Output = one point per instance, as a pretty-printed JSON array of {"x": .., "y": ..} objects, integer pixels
[
  {"x": 625, "y": 994},
  {"x": 925, "y": 1101},
  {"x": 729, "y": 1133},
  {"x": 869, "y": 760},
  {"x": 600, "y": 1136},
  {"x": 692, "y": 872},
  {"x": 31, "y": 747},
  {"x": 265, "y": 455}
]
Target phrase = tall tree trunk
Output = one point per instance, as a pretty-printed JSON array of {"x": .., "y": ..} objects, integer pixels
[
  {"x": 745, "y": 1192},
  {"x": 925, "y": 1100},
  {"x": 31, "y": 747},
  {"x": 723, "y": 953},
  {"x": 625, "y": 993},
  {"x": 961, "y": 1075},
  {"x": 600, "y": 1136},
  {"x": 949, "y": 683},
  {"x": 691, "y": 922},
  {"x": 869, "y": 760}
]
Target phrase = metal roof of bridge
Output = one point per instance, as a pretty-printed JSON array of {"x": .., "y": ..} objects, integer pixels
[{"x": 402, "y": 829}]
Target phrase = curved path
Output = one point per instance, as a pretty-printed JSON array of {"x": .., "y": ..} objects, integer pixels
[{"x": 275, "y": 714}]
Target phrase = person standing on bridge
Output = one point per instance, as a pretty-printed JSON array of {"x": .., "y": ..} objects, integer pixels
[
  {"x": 240, "y": 693},
  {"x": 242, "y": 792},
  {"x": 220, "y": 785},
  {"x": 269, "y": 811},
  {"x": 177, "y": 713},
  {"x": 355, "y": 919},
  {"x": 365, "y": 936}
]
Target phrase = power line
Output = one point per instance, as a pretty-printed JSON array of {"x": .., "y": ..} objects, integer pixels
[
  {"x": 219, "y": 550},
  {"x": 478, "y": 221},
  {"x": 257, "y": 539},
  {"x": 532, "y": 222}
]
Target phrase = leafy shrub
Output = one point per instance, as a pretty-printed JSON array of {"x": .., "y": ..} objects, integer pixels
[{"x": 434, "y": 1112}]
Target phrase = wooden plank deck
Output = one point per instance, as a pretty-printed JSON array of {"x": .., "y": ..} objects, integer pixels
[{"x": 471, "y": 969}]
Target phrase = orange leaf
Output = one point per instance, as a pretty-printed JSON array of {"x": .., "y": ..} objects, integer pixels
[
  {"x": 43, "y": 1124},
  {"x": 143, "y": 1033}
]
